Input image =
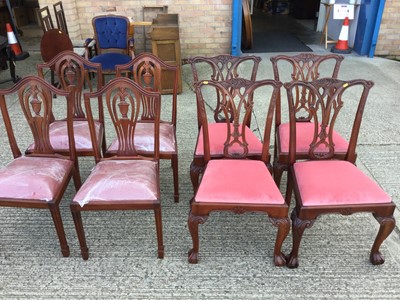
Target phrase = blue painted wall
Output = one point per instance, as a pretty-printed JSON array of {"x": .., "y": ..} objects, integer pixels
[{"x": 369, "y": 21}]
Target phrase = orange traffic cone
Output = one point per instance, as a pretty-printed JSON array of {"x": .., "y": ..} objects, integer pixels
[
  {"x": 12, "y": 40},
  {"x": 342, "y": 45}
]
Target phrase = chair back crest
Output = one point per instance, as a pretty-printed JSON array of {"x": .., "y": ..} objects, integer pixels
[
  {"x": 236, "y": 105},
  {"x": 223, "y": 67},
  {"x": 124, "y": 101},
  {"x": 323, "y": 104}
]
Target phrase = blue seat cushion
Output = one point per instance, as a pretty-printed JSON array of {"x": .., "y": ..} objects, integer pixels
[{"x": 108, "y": 61}]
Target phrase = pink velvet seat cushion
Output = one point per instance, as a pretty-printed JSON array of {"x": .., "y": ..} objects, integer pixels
[
  {"x": 37, "y": 178},
  {"x": 58, "y": 132},
  {"x": 217, "y": 136},
  {"x": 120, "y": 180},
  {"x": 336, "y": 182},
  {"x": 144, "y": 138},
  {"x": 239, "y": 182},
  {"x": 304, "y": 137}
]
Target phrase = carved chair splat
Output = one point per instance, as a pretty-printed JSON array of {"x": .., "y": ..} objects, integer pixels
[{"x": 304, "y": 67}]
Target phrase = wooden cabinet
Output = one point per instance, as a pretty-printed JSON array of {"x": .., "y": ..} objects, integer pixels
[{"x": 165, "y": 44}]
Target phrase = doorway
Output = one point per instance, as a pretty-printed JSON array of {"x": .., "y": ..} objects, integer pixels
[{"x": 283, "y": 26}]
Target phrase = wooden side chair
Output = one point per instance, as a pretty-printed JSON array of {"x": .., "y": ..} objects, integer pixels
[
  {"x": 305, "y": 67},
  {"x": 323, "y": 184},
  {"x": 72, "y": 71},
  {"x": 39, "y": 179},
  {"x": 220, "y": 68},
  {"x": 235, "y": 183},
  {"x": 145, "y": 69},
  {"x": 126, "y": 180}
]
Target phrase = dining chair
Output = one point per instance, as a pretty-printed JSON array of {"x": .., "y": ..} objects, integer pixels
[
  {"x": 235, "y": 183},
  {"x": 146, "y": 69},
  {"x": 305, "y": 67},
  {"x": 126, "y": 180},
  {"x": 113, "y": 45},
  {"x": 72, "y": 71},
  {"x": 219, "y": 68},
  {"x": 323, "y": 184},
  {"x": 39, "y": 179}
]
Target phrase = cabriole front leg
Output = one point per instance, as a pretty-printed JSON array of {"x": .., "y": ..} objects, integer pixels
[
  {"x": 298, "y": 227},
  {"x": 283, "y": 230},
  {"x": 193, "y": 224},
  {"x": 386, "y": 227}
]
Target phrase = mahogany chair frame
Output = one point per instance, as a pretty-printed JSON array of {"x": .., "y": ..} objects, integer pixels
[
  {"x": 146, "y": 70},
  {"x": 304, "y": 67},
  {"x": 235, "y": 97},
  {"x": 329, "y": 97},
  {"x": 223, "y": 67},
  {"x": 124, "y": 100},
  {"x": 35, "y": 99},
  {"x": 73, "y": 72}
]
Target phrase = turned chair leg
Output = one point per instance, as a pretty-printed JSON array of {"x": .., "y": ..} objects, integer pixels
[
  {"x": 56, "y": 215},
  {"x": 76, "y": 215},
  {"x": 160, "y": 243},
  {"x": 387, "y": 225}
]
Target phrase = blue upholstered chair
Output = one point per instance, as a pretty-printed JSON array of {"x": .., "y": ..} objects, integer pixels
[{"x": 113, "y": 44}]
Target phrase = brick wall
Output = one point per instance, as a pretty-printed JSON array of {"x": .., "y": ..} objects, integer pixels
[
  {"x": 389, "y": 32},
  {"x": 205, "y": 25}
]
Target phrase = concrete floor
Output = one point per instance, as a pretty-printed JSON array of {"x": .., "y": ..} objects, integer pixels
[{"x": 236, "y": 250}]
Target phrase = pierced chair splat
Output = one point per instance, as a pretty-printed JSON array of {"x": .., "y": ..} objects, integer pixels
[
  {"x": 304, "y": 67},
  {"x": 126, "y": 180},
  {"x": 73, "y": 72},
  {"x": 146, "y": 70},
  {"x": 220, "y": 68},
  {"x": 37, "y": 180},
  {"x": 233, "y": 182},
  {"x": 344, "y": 188}
]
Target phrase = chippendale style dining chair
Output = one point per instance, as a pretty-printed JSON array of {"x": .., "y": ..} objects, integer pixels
[
  {"x": 39, "y": 179},
  {"x": 146, "y": 70},
  {"x": 73, "y": 71},
  {"x": 234, "y": 182},
  {"x": 126, "y": 180},
  {"x": 305, "y": 67},
  {"x": 219, "y": 68},
  {"x": 323, "y": 184}
]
